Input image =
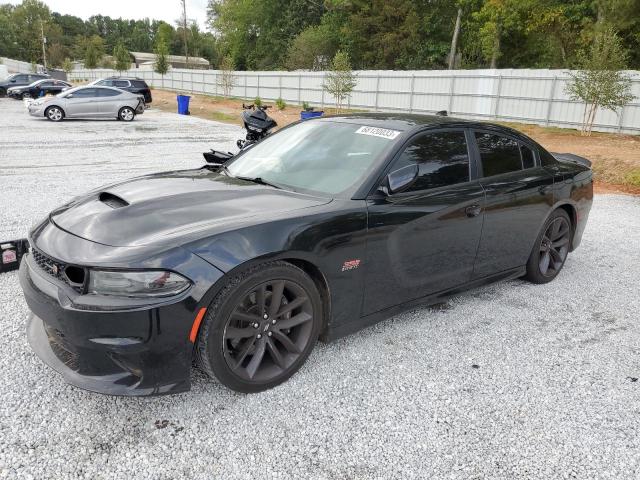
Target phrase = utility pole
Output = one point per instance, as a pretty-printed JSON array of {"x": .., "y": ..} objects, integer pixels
[
  {"x": 44, "y": 44},
  {"x": 184, "y": 30},
  {"x": 454, "y": 40}
]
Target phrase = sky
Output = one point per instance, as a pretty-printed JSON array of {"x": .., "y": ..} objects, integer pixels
[{"x": 167, "y": 10}]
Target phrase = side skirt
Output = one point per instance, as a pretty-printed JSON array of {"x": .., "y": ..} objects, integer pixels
[{"x": 334, "y": 333}]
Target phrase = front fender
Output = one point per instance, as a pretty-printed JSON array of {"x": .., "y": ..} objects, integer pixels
[{"x": 327, "y": 240}]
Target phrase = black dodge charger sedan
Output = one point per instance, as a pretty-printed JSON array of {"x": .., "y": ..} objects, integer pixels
[{"x": 325, "y": 227}]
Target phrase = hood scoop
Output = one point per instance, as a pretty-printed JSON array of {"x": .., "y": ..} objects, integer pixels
[{"x": 112, "y": 200}]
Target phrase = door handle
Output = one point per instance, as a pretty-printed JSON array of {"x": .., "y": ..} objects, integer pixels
[{"x": 473, "y": 210}]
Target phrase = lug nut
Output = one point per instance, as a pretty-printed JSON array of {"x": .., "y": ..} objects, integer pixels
[
  {"x": 256, "y": 325},
  {"x": 269, "y": 334},
  {"x": 273, "y": 322},
  {"x": 265, "y": 316},
  {"x": 259, "y": 336}
]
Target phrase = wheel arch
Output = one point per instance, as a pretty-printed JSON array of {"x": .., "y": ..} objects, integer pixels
[
  {"x": 303, "y": 262},
  {"x": 322, "y": 284},
  {"x": 573, "y": 217},
  {"x": 57, "y": 105}
]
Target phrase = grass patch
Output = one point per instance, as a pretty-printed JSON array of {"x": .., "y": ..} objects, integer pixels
[
  {"x": 224, "y": 117},
  {"x": 633, "y": 177}
]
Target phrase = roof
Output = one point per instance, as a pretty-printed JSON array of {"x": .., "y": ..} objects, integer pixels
[
  {"x": 397, "y": 121},
  {"x": 409, "y": 121}
]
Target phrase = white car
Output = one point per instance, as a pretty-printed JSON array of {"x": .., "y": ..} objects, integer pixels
[{"x": 89, "y": 102}]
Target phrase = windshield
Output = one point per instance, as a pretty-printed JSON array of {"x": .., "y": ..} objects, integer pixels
[{"x": 321, "y": 156}]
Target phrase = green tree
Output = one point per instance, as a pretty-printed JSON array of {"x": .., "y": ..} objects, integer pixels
[
  {"x": 161, "y": 65},
  {"x": 600, "y": 83},
  {"x": 30, "y": 18},
  {"x": 122, "y": 58},
  {"x": 312, "y": 49},
  {"x": 227, "y": 78},
  {"x": 93, "y": 51},
  {"x": 91, "y": 57},
  {"x": 340, "y": 81},
  {"x": 67, "y": 66},
  {"x": 56, "y": 54},
  {"x": 8, "y": 35}
]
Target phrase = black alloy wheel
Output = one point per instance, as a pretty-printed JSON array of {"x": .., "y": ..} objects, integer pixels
[
  {"x": 261, "y": 328},
  {"x": 551, "y": 250}
]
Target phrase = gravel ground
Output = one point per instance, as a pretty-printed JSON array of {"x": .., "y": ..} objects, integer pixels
[{"x": 507, "y": 381}]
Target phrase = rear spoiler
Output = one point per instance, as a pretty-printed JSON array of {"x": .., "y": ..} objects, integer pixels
[{"x": 571, "y": 158}]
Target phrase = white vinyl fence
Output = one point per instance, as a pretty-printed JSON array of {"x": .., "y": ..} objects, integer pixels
[
  {"x": 17, "y": 66},
  {"x": 523, "y": 96}
]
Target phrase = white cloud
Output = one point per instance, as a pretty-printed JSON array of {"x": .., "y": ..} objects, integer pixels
[{"x": 167, "y": 10}]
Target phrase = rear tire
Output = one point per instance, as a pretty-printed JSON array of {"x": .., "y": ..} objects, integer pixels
[
  {"x": 251, "y": 342},
  {"x": 126, "y": 114},
  {"x": 54, "y": 113},
  {"x": 551, "y": 248}
]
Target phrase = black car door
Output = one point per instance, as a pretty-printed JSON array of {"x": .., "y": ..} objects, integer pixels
[
  {"x": 519, "y": 194},
  {"x": 424, "y": 240}
]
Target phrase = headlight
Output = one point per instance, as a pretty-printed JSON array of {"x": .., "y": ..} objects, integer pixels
[{"x": 155, "y": 283}]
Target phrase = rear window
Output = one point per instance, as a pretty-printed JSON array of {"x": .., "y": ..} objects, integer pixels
[
  {"x": 499, "y": 154},
  {"x": 139, "y": 83},
  {"x": 121, "y": 83}
]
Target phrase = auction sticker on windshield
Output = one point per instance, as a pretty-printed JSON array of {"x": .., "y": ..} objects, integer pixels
[{"x": 378, "y": 132}]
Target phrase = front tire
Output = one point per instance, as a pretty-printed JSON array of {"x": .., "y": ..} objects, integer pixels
[
  {"x": 551, "y": 248},
  {"x": 3, "y": 92},
  {"x": 55, "y": 114},
  {"x": 126, "y": 114},
  {"x": 260, "y": 328}
]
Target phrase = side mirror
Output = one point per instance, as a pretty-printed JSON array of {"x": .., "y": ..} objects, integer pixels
[
  {"x": 401, "y": 179},
  {"x": 70, "y": 95},
  {"x": 13, "y": 80}
]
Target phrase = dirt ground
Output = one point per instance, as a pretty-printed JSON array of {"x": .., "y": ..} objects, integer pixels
[{"x": 616, "y": 158}]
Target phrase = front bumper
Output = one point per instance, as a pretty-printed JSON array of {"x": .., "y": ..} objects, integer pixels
[
  {"x": 36, "y": 110},
  {"x": 113, "y": 345},
  {"x": 143, "y": 351}
]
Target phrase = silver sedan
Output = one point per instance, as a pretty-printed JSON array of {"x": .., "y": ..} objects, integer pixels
[{"x": 89, "y": 102}]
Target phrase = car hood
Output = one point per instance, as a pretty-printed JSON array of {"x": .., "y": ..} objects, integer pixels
[{"x": 168, "y": 207}]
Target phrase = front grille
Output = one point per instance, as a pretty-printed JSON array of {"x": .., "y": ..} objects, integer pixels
[{"x": 54, "y": 268}]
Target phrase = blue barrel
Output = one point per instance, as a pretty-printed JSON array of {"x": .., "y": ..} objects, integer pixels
[
  {"x": 307, "y": 115},
  {"x": 183, "y": 104}
]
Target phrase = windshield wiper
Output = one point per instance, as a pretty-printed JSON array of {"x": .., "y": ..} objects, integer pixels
[{"x": 260, "y": 181}]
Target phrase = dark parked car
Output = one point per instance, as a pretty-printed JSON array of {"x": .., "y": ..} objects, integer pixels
[
  {"x": 39, "y": 88},
  {"x": 19, "y": 79},
  {"x": 320, "y": 229},
  {"x": 130, "y": 84}
]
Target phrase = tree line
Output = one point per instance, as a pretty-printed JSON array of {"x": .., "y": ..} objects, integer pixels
[
  {"x": 307, "y": 34},
  {"x": 70, "y": 37},
  {"x": 419, "y": 34}
]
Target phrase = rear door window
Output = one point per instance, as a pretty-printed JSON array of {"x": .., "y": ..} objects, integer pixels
[
  {"x": 499, "y": 154},
  {"x": 107, "y": 92},
  {"x": 442, "y": 158},
  {"x": 86, "y": 93}
]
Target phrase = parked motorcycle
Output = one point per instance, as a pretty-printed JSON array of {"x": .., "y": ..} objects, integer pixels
[{"x": 258, "y": 125}]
